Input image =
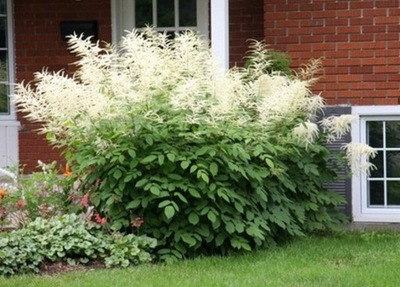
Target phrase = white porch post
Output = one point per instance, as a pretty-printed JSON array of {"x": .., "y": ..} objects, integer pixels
[{"x": 220, "y": 31}]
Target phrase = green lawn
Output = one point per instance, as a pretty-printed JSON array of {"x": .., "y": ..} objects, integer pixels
[{"x": 351, "y": 259}]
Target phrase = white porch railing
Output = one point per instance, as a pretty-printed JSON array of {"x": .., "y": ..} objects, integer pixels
[{"x": 9, "y": 143}]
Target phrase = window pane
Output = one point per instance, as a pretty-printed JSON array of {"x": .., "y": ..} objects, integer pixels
[
  {"x": 4, "y": 102},
  {"x": 393, "y": 192},
  {"x": 376, "y": 193},
  {"x": 3, "y": 32},
  {"x": 378, "y": 162},
  {"x": 144, "y": 13},
  {"x": 375, "y": 134},
  {"x": 3, "y": 7},
  {"x": 392, "y": 134},
  {"x": 166, "y": 13},
  {"x": 187, "y": 13},
  {"x": 393, "y": 163}
]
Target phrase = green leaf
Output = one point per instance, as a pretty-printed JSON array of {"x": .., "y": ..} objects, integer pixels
[
  {"x": 193, "y": 218},
  {"x": 185, "y": 164},
  {"x": 239, "y": 207},
  {"x": 249, "y": 215},
  {"x": 169, "y": 211},
  {"x": 240, "y": 243},
  {"x": 230, "y": 227},
  {"x": 193, "y": 168},
  {"x": 164, "y": 203},
  {"x": 193, "y": 192},
  {"x": 148, "y": 159},
  {"x": 181, "y": 197},
  {"x": 205, "y": 177},
  {"x": 239, "y": 226},
  {"x": 213, "y": 168},
  {"x": 211, "y": 216},
  {"x": 161, "y": 159},
  {"x": 171, "y": 157},
  {"x": 155, "y": 190},
  {"x": 132, "y": 153},
  {"x": 117, "y": 174},
  {"x": 141, "y": 182},
  {"x": 121, "y": 186},
  {"x": 116, "y": 226},
  {"x": 128, "y": 178},
  {"x": 149, "y": 140},
  {"x": 220, "y": 239},
  {"x": 270, "y": 163},
  {"x": 133, "y": 204},
  {"x": 202, "y": 151},
  {"x": 189, "y": 239},
  {"x": 174, "y": 176}
]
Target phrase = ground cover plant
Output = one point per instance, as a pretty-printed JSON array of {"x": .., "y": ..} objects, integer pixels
[
  {"x": 45, "y": 225},
  {"x": 351, "y": 260},
  {"x": 71, "y": 239},
  {"x": 163, "y": 142}
]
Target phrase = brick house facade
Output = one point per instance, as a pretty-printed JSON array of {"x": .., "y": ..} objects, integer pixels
[{"x": 358, "y": 40}]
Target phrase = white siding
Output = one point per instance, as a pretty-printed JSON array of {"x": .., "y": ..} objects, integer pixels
[{"x": 8, "y": 143}]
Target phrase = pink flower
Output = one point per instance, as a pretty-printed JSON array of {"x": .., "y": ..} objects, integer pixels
[
  {"x": 84, "y": 200},
  {"x": 20, "y": 203},
  {"x": 137, "y": 222},
  {"x": 99, "y": 220}
]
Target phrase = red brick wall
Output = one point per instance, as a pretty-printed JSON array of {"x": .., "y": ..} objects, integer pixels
[
  {"x": 358, "y": 39},
  {"x": 37, "y": 44},
  {"x": 245, "y": 22}
]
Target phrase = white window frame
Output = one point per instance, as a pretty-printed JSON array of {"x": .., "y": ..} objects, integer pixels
[
  {"x": 11, "y": 116},
  {"x": 361, "y": 211},
  {"x": 9, "y": 125},
  {"x": 123, "y": 18}
]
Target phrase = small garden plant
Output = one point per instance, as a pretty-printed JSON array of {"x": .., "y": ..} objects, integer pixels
[
  {"x": 165, "y": 143},
  {"x": 70, "y": 239},
  {"x": 44, "y": 220}
]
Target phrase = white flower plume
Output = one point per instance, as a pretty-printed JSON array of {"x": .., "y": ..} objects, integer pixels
[
  {"x": 305, "y": 133},
  {"x": 358, "y": 155},
  {"x": 335, "y": 127}
]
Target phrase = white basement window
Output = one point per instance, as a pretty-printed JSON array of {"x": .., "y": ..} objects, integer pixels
[{"x": 376, "y": 197}]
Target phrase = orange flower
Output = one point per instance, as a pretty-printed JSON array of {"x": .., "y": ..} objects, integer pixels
[
  {"x": 67, "y": 171},
  {"x": 2, "y": 193}
]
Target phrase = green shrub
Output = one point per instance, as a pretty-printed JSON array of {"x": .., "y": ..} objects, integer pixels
[
  {"x": 211, "y": 161},
  {"x": 212, "y": 191},
  {"x": 279, "y": 62},
  {"x": 68, "y": 238}
]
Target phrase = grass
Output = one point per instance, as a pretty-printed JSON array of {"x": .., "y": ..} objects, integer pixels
[{"x": 349, "y": 259}]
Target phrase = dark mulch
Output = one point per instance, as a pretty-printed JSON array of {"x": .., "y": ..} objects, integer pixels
[{"x": 60, "y": 267}]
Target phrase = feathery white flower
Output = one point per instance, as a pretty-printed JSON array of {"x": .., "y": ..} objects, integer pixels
[
  {"x": 358, "y": 155},
  {"x": 335, "y": 127},
  {"x": 305, "y": 133}
]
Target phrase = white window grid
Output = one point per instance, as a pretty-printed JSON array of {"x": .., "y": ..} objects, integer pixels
[
  {"x": 384, "y": 151},
  {"x": 123, "y": 18},
  {"x": 361, "y": 212},
  {"x": 11, "y": 115}
]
